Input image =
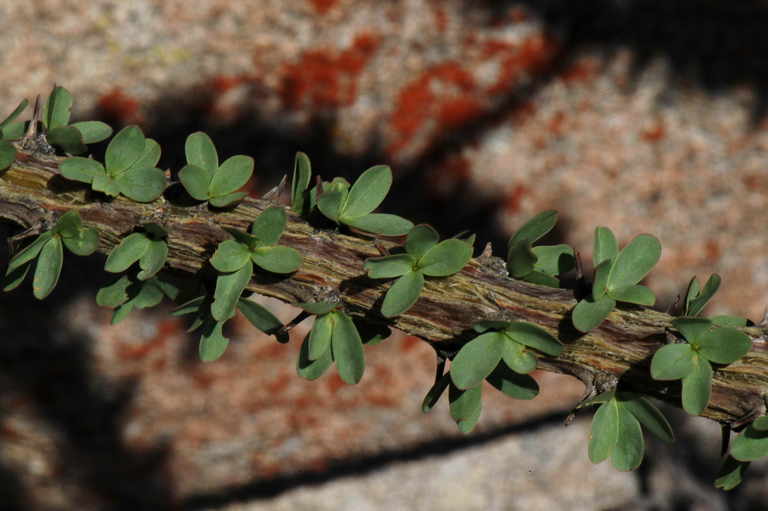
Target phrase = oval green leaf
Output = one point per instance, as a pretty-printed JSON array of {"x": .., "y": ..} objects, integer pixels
[
  {"x": 153, "y": 259},
  {"x": 93, "y": 131},
  {"x": 731, "y": 474},
  {"x": 318, "y": 308},
  {"x": 226, "y": 200},
  {"x": 588, "y": 313},
  {"x": 672, "y": 362},
  {"x": 696, "y": 300},
  {"x": 605, "y": 431},
  {"x": 229, "y": 287},
  {"x": 403, "y": 294},
  {"x": 83, "y": 243},
  {"x": 605, "y": 247},
  {"x": 650, "y": 417},
  {"x": 195, "y": 181},
  {"x": 57, "y": 110},
  {"x": 81, "y": 169},
  {"x": 367, "y": 193},
  {"x": 692, "y": 328},
  {"x": 329, "y": 204},
  {"x": 600, "y": 285},
  {"x": 750, "y": 445},
  {"x": 302, "y": 173},
  {"x": 347, "y": 348},
  {"x": 29, "y": 252},
  {"x": 627, "y": 454},
  {"x": 213, "y": 344},
  {"x": 262, "y": 318},
  {"x": 636, "y": 294},
  {"x": 123, "y": 150},
  {"x": 724, "y": 345},
  {"x": 277, "y": 259},
  {"x": 130, "y": 250},
  {"x": 477, "y": 359},
  {"x": 312, "y": 369},
  {"x": 445, "y": 258},
  {"x": 517, "y": 358},
  {"x": 389, "y": 266},
  {"x": 16, "y": 112},
  {"x": 634, "y": 261},
  {"x": 7, "y": 154},
  {"x": 420, "y": 239},
  {"x": 320, "y": 335},
  {"x": 269, "y": 225},
  {"x": 521, "y": 260},
  {"x": 150, "y": 156},
  {"x": 535, "y": 228},
  {"x": 514, "y": 385},
  {"x": 141, "y": 184},
  {"x": 48, "y": 268},
  {"x": 230, "y": 255},
  {"x": 114, "y": 294},
  {"x": 534, "y": 336},
  {"x": 466, "y": 407},
  {"x": 380, "y": 223},
  {"x": 69, "y": 139},
  {"x": 201, "y": 152},
  {"x": 231, "y": 176},
  {"x": 697, "y": 386},
  {"x": 554, "y": 259}
]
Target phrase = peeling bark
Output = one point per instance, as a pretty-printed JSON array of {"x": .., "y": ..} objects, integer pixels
[{"x": 33, "y": 195}]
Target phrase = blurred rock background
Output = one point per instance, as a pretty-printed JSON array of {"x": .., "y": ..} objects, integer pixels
[{"x": 642, "y": 116}]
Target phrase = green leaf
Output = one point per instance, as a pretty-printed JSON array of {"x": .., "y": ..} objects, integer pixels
[
  {"x": 535, "y": 228},
  {"x": 637, "y": 294},
  {"x": 130, "y": 250},
  {"x": 605, "y": 248},
  {"x": 196, "y": 181},
  {"x": 231, "y": 176},
  {"x": 554, "y": 259},
  {"x": 750, "y": 445},
  {"x": 724, "y": 345},
  {"x": 367, "y": 193},
  {"x": 589, "y": 313},
  {"x": 695, "y": 304},
  {"x": 114, "y": 294},
  {"x": 534, "y": 336},
  {"x": 226, "y": 200},
  {"x": 48, "y": 268},
  {"x": 634, "y": 262},
  {"x": 320, "y": 335},
  {"x": 13, "y": 130},
  {"x": 485, "y": 325},
  {"x": 230, "y": 256},
  {"x": 729, "y": 321},
  {"x": 692, "y": 328},
  {"x": 29, "y": 252},
  {"x": 201, "y": 152},
  {"x": 7, "y": 154},
  {"x": 68, "y": 138},
  {"x": 650, "y": 417},
  {"x": 277, "y": 259},
  {"x": 542, "y": 279},
  {"x": 731, "y": 474},
  {"x": 57, "y": 111},
  {"x": 192, "y": 306},
  {"x": 627, "y": 454},
  {"x": 262, "y": 318},
  {"x": 605, "y": 431},
  {"x": 16, "y": 112},
  {"x": 761, "y": 423},
  {"x": 601, "y": 398},
  {"x": 380, "y": 223},
  {"x": 123, "y": 150},
  {"x": 403, "y": 294},
  {"x": 318, "y": 308},
  {"x": 389, "y": 266},
  {"x": 269, "y": 225},
  {"x": 229, "y": 287},
  {"x": 420, "y": 239},
  {"x": 103, "y": 183},
  {"x": 121, "y": 312},
  {"x": 153, "y": 259},
  {"x": 672, "y": 362},
  {"x": 466, "y": 407},
  {"x": 600, "y": 285},
  {"x": 445, "y": 258},
  {"x": 93, "y": 131},
  {"x": 149, "y": 156},
  {"x": 312, "y": 369},
  {"x": 477, "y": 359},
  {"x": 14, "y": 278},
  {"x": 697, "y": 386},
  {"x": 213, "y": 344},
  {"x": 68, "y": 224},
  {"x": 329, "y": 204},
  {"x": 347, "y": 348},
  {"x": 83, "y": 243},
  {"x": 514, "y": 385},
  {"x": 142, "y": 184},
  {"x": 302, "y": 173},
  {"x": 521, "y": 259},
  {"x": 81, "y": 169},
  {"x": 517, "y": 358},
  {"x": 148, "y": 294},
  {"x": 434, "y": 393}
]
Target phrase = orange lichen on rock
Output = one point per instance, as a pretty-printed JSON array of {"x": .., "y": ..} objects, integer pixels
[
  {"x": 120, "y": 107},
  {"x": 513, "y": 200},
  {"x": 323, "y": 79},
  {"x": 533, "y": 56},
  {"x": 323, "y": 6}
]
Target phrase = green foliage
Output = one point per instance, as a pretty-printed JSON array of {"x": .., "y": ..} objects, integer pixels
[
  {"x": 616, "y": 428},
  {"x": 48, "y": 250},
  {"x": 696, "y": 298},
  {"x": 731, "y": 473},
  {"x": 752, "y": 443},
  {"x": 617, "y": 274},
  {"x": 129, "y": 168},
  {"x": 206, "y": 180},
  {"x": 691, "y": 362},
  {"x": 10, "y": 128},
  {"x": 128, "y": 293},
  {"x": 539, "y": 265},
  {"x": 423, "y": 256},
  {"x": 148, "y": 248},
  {"x": 71, "y": 138},
  {"x": 465, "y": 406}
]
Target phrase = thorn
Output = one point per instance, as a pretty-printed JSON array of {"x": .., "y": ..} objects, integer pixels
[
  {"x": 579, "y": 266},
  {"x": 764, "y": 321},
  {"x": 33, "y": 128},
  {"x": 673, "y": 306},
  {"x": 487, "y": 251},
  {"x": 34, "y": 139},
  {"x": 275, "y": 193}
]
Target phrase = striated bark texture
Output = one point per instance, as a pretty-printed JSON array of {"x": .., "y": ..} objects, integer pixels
[{"x": 33, "y": 195}]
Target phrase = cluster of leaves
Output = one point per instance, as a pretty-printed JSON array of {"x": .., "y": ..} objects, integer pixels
[
  {"x": 617, "y": 274},
  {"x": 48, "y": 251},
  {"x": 750, "y": 445},
  {"x": 10, "y": 129},
  {"x": 206, "y": 180},
  {"x": 130, "y": 292},
  {"x": 351, "y": 206},
  {"x": 708, "y": 342},
  {"x": 128, "y": 169},
  {"x": 71, "y": 138},
  {"x": 423, "y": 257},
  {"x": 616, "y": 431},
  {"x": 543, "y": 264}
]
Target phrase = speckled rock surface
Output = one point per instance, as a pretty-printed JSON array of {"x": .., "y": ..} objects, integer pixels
[{"x": 488, "y": 112}]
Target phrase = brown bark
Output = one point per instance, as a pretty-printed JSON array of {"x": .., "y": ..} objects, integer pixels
[{"x": 33, "y": 195}]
